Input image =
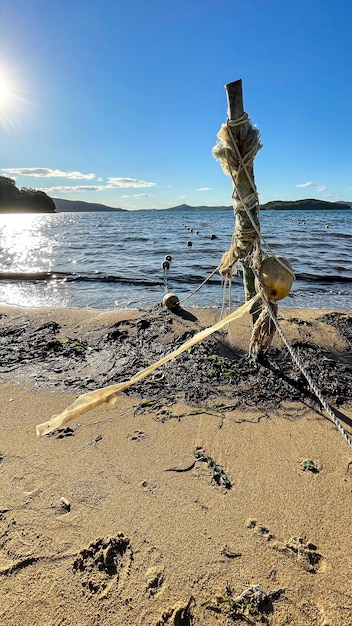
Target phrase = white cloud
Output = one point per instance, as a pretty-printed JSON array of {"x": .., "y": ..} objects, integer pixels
[
  {"x": 182, "y": 197},
  {"x": 77, "y": 188},
  {"x": 309, "y": 184},
  {"x": 129, "y": 182},
  {"x": 100, "y": 180},
  {"x": 46, "y": 172},
  {"x": 322, "y": 188},
  {"x": 143, "y": 195},
  {"x": 204, "y": 189}
]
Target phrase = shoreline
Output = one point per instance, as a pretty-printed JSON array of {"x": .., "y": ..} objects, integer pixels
[{"x": 115, "y": 520}]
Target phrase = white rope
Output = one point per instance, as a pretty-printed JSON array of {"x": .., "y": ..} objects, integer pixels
[
  {"x": 247, "y": 210},
  {"x": 296, "y": 359},
  {"x": 201, "y": 285}
]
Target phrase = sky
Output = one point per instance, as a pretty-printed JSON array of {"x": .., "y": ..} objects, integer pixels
[{"x": 120, "y": 102}]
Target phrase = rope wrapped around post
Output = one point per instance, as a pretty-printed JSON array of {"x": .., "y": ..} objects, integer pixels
[{"x": 238, "y": 144}]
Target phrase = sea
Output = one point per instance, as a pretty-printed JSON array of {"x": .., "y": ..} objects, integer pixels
[{"x": 110, "y": 260}]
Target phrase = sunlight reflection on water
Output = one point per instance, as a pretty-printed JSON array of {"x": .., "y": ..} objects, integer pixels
[
  {"x": 108, "y": 260},
  {"x": 24, "y": 246}
]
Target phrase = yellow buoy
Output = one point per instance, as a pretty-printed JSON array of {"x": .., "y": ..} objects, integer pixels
[
  {"x": 276, "y": 279},
  {"x": 171, "y": 301}
]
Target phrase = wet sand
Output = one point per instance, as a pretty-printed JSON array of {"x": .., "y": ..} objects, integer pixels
[{"x": 214, "y": 477}]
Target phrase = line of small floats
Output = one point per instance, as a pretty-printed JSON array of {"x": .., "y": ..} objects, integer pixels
[
  {"x": 167, "y": 259},
  {"x": 196, "y": 232},
  {"x": 170, "y": 300},
  {"x": 275, "y": 275}
]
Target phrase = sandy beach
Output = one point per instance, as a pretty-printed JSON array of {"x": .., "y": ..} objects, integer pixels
[{"x": 214, "y": 492}]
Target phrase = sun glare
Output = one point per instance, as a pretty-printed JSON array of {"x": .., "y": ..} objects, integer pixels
[
  {"x": 12, "y": 102},
  {"x": 4, "y": 91}
]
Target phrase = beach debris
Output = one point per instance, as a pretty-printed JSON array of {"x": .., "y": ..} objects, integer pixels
[
  {"x": 65, "y": 505},
  {"x": 298, "y": 321},
  {"x": 171, "y": 301},
  {"x": 182, "y": 469},
  {"x": 218, "y": 474},
  {"x": 252, "y": 603},
  {"x": 150, "y": 404},
  {"x": 230, "y": 554},
  {"x": 110, "y": 394},
  {"x": 309, "y": 465},
  {"x": 220, "y": 366}
]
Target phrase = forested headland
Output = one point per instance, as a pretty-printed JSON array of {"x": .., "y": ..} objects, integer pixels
[{"x": 14, "y": 200}]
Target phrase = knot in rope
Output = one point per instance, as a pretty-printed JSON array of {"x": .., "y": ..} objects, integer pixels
[{"x": 233, "y": 158}]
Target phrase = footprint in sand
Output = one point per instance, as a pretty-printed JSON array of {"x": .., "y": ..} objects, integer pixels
[
  {"x": 154, "y": 581},
  {"x": 305, "y": 552},
  {"x": 137, "y": 435},
  {"x": 104, "y": 564},
  {"x": 178, "y": 615},
  {"x": 62, "y": 433}
]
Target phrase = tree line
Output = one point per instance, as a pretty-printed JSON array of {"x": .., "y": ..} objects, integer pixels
[{"x": 14, "y": 200}]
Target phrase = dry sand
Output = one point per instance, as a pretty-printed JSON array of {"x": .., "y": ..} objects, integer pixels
[{"x": 95, "y": 531}]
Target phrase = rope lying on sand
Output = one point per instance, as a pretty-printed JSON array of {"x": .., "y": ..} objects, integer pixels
[{"x": 109, "y": 394}]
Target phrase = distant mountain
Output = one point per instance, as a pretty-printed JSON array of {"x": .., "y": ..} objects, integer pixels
[
  {"x": 186, "y": 207},
  {"x": 64, "y": 206},
  {"x": 310, "y": 204},
  {"x": 78, "y": 206},
  {"x": 305, "y": 205}
]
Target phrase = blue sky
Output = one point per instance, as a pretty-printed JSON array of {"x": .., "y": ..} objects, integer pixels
[{"x": 120, "y": 102}]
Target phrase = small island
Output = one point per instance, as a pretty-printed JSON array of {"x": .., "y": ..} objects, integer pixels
[
  {"x": 310, "y": 204},
  {"x": 14, "y": 200}
]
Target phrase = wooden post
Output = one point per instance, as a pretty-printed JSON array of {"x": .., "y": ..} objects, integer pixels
[{"x": 244, "y": 186}]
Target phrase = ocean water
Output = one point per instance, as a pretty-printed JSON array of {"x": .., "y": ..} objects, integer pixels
[{"x": 114, "y": 260}]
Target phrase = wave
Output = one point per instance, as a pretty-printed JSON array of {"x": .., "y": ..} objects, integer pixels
[
  {"x": 101, "y": 278},
  {"x": 153, "y": 281},
  {"x": 318, "y": 278}
]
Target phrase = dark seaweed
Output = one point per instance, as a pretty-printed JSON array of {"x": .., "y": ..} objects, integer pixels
[{"x": 108, "y": 355}]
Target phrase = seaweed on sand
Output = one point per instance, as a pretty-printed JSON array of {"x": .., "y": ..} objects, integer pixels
[{"x": 111, "y": 354}]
